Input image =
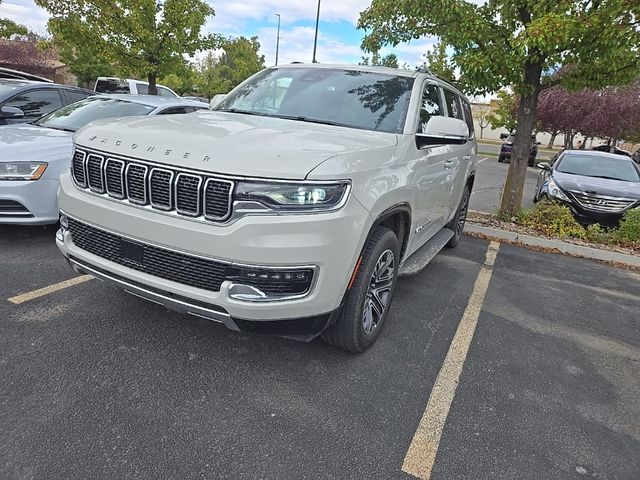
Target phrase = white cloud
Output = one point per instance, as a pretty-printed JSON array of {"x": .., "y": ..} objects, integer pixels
[{"x": 25, "y": 12}]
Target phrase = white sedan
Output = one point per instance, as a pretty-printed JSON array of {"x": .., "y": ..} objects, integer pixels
[{"x": 32, "y": 156}]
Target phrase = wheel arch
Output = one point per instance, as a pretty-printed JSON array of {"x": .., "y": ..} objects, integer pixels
[{"x": 397, "y": 219}]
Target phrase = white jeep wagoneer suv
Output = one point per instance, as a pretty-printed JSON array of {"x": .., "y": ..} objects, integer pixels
[{"x": 289, "y": 209}]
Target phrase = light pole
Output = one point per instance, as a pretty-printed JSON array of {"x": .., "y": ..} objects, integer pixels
[
  {"x": 315, "y": 40},
  {"x": 278, "y": 39}
]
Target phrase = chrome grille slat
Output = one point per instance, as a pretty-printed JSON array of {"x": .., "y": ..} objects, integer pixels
[
  {"x": 95, "y": 177},
  {"x": 114, "y": 178},
  {"x": 77, "y": 167},
  {"x": 601, "y": 202},
  {"x": 160, "y": 191},
  {"x": 171, "y": 190}
]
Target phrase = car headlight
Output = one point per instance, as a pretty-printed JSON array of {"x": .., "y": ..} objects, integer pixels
[
  {"x": 22, "y": 170},
  {"x": 293, "y": 197},
  {"x": 555, "y": 192}
]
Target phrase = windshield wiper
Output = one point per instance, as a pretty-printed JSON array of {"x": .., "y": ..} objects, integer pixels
[
  {"x": 608, "y": 178},
  {"x": 244, "y": 112},
  {"x": 302, "y": 118}
]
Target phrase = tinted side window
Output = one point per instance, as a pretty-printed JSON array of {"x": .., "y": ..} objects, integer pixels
[
  {"x": 112, "y": 86},
  {"x": 176, "y": 110},
  {"x": 164, "y": 92},
  {"x": 453, "y": 105},
  {"x": 430, "y": 105},
  {"x": 36, "y": 103},
  {"x": 74, "y": 96},
  {"x": 142, "y": 88},
  {"x": 468, "y": 117}
]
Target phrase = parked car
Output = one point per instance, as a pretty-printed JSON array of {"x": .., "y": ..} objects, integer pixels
[
  {"x": 598, "y": 187},
  {"x": 507, "y": 148},
  {"x": 287, "y": 210},
  {"x": 129, "y": 87},
  {"x": 612, "y": 149},
  {"x": 23, "y": 101},
  {"x": 18, "y": 75},
  {"x": 198, "y": 99},
  {"x": 32, "y": 156}
]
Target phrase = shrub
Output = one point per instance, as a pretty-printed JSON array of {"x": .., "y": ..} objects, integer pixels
[
  {"x": 552, "y": 219},
  {"x": 629, "y": 229}
]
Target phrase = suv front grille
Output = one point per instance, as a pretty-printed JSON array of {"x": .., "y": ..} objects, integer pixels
[
  {"x": 165, "y": 189},
  {"x": 601, "y": 202},
  {"x": 159, "y": 262}
]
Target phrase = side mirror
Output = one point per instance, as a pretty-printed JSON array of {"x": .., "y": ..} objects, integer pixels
[
  {"x": 503, "y": 136},
  {"x": 216, "y": 100},
  {"x": 544, "y": 166},
  {"x": 442, "y": 131},
  {"x": 11, "y": 113}
]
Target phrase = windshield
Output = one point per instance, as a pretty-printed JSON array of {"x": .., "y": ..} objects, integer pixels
[
  {"x": 77, "y": 115},
  {"x": 599, "y": 166},
  {"x": 350, "y": 98}
]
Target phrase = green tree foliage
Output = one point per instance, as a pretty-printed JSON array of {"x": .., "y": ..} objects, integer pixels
[
  {"x": 9, "y": 28},
  {"x": 518, "y": 43},
  {"x": 504, "y": 115},
  {"x": 146, "y": 37},
  {"x": 437, "y": 62},
  {"x": 238, "y": 62},
  {"x": 183, "y": 81},
  {"x": 86, "y": 65},
  {"x": 390, "y": 60}
]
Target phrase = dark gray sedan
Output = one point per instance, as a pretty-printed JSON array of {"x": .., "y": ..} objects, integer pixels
[{"x": 598, "y": 187}]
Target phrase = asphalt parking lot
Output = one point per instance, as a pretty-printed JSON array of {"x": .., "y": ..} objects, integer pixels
[{"x": 100, "y": 384}]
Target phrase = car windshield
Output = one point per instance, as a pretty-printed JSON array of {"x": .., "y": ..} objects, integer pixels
[
  {"x": 351, "y": 98},
  {"x": 77, "y": 115},
  {"x": 599, "y": 166}
]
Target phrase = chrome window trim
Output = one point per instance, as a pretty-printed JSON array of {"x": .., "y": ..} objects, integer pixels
[
  {"x": 198, "y": 194},
  {"x": 229, "y": 199},
  {"x": 144, "y": 183},
  {"x": 171, "y": 190},
  {"x": 122, "y": 180},
  {"x": 88, "y": 177}
]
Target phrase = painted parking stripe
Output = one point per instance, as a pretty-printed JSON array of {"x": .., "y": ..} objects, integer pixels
[
  {"x": 41, "y": 292},
  {"x": 421, "y": 454}
]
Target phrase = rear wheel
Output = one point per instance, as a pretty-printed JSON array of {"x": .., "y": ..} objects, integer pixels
[
  {"x": 500, "y": 159},
  {"x": 457, "y": 222},
  {"x": 369, "y": 298}
]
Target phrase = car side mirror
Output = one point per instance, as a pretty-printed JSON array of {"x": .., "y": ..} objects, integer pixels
[
  {"x": 503, "y": 136},
  {"x": 442, "y": 131},
  {"x": 544, "y": 166},
  {"x": 11, "y": 113},
  {"x": 216, "y": 100}
]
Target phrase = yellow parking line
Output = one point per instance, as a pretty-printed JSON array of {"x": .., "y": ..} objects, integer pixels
[
  {"x": 25, "y": 297},
  {"x": 422, "y": 452}
]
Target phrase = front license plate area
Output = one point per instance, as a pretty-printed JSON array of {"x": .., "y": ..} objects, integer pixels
[{"x": 131, "y": 251}]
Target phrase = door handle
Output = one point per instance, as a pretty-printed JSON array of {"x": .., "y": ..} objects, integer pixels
[
  {"x": 466, "y": 158},
  {"x": 449, "y": 163}
]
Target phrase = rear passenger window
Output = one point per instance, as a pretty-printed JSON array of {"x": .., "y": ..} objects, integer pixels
[
  {"x": 430, "y": 106},
  {"x": 143, "y": 89},
  {"x": 36, "y": 103},
  {"x": 74, "y": 96},
  {"x": 165, "y": 92},
  {"x": 453, "y": 105},
  {"x": 468, "y": 117}
]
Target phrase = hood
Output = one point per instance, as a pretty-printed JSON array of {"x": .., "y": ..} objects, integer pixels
[
  {"x": 230, "y": 143},
  {"x": 600, "y": 186},
  {"x": 33, "y": 143}
]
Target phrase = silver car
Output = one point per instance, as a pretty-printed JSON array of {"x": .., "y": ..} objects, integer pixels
[{"x": 34, "y": 155}]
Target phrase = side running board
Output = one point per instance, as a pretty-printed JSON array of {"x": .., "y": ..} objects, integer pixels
[{"x": 421, "y": 257}]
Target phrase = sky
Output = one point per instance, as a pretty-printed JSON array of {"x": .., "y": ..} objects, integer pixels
[{"x": 338, "y": 39}]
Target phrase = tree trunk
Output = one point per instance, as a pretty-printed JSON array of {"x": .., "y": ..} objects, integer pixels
[
  {"x": 514, "y": 184},
  {"x": 152, "y": 84},
  {"x": 481, "y": 130},
  {"x": 553, "y": 139}
]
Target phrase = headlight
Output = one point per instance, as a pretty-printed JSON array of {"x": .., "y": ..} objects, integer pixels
[
  {"x": 293, "y": 197},
  {"x": 555, "y": 191},
  {"x": 22, "y": 170}
]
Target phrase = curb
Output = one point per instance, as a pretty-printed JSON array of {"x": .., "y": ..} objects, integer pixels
[{"x": 581, "y": 251}]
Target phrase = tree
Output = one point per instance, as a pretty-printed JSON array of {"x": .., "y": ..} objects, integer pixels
[
  {"x": 518, "y": 43},
  {"x": 147, "y": 37},
  {"x": 504, "y": 115},
  {"x": 481, "y": 113},
  {"x": 182, "y": 81},
  {"x": 86, "y": 65},
  {"x": 238, "y": 62},
  {"x": 437, "y": 62},
  {"x": 9, "y": 28},
  {"x": 390, "y": 60}
]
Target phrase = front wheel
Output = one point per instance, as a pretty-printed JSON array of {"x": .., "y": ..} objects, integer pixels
[
  {"x": 457, "y": 222},
  {"x": 369, "y": 298},
  {"x": 500, "y": 159}
]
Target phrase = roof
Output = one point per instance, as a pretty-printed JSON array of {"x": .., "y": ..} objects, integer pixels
[
  {"x": 154, "y": 100},
  {"x": 596, "y": 153},
  {"x": 16, "y": 74}
]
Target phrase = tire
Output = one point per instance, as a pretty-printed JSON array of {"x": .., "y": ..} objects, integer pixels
[
  {"x": 457, "y": 222},
  {"x": 500, "y": 159},
  {"x": 358, "y": 328}
]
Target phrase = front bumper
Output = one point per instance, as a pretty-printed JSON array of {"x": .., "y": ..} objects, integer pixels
[
  {"x": 329, "y": 241},
  {"x": 39, "y": 199}
]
